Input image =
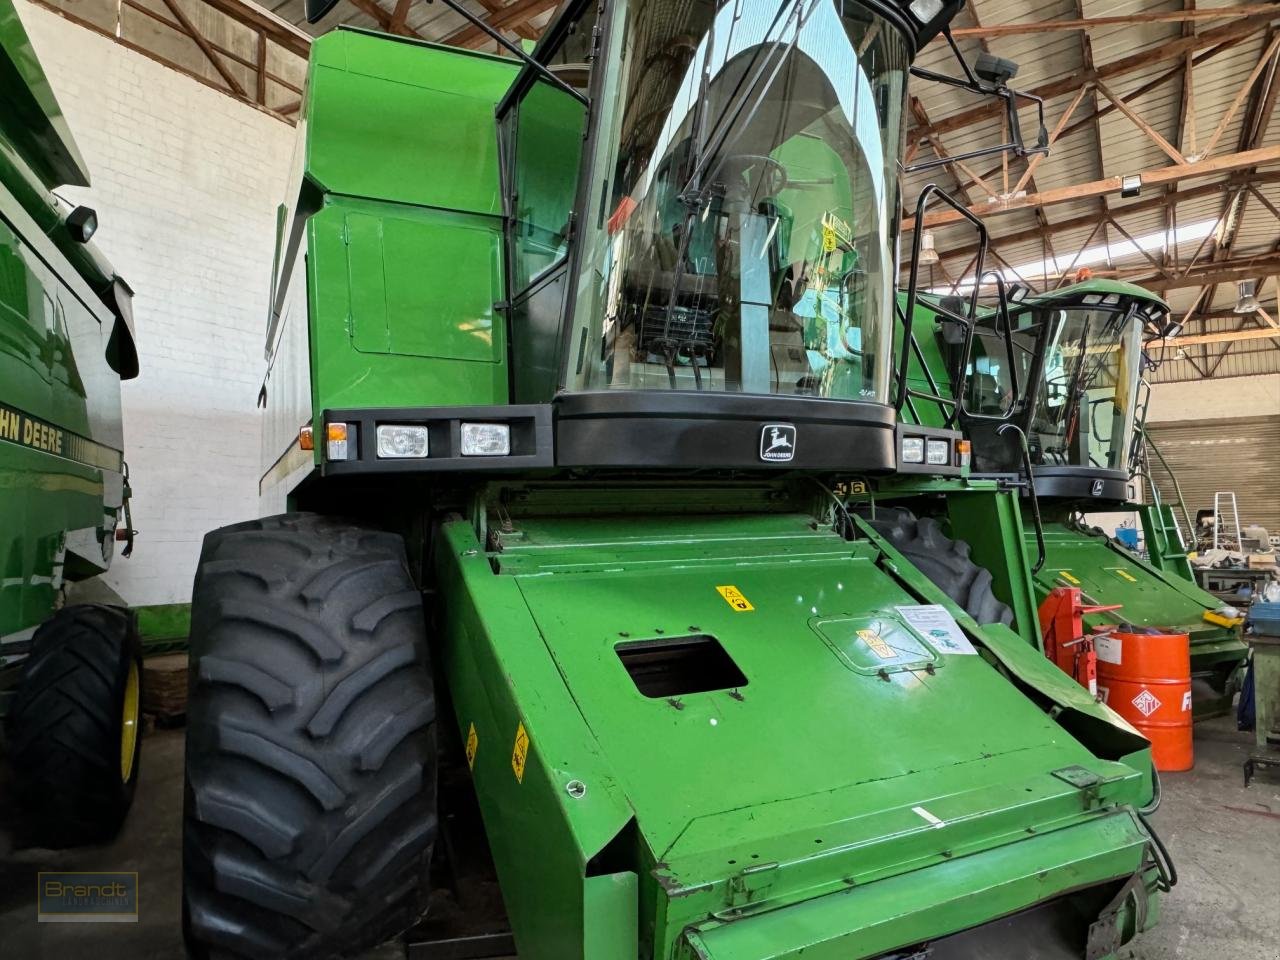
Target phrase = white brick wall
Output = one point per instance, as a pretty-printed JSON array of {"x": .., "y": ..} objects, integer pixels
[{"x": 185, "y": 182}]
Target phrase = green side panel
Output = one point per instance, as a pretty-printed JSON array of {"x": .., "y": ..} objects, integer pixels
[
  {"x": 44, "y": 496},
  {"x": 31, "y": 122},
  {"x": 991, "y": 523},
  {"x": 405, "y": 121},
  {"x": 867, "y": 921},
  {"x": 501, "y": 678},
  {"x": 612, "y": 914},
  {"x": 422, "y": 286},
  {"x": 1108, "y": 574},
  {"x": 378, "y": 339}
]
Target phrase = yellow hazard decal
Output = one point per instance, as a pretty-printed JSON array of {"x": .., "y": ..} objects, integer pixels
[
  {"x": 1068, "y": 577},
  {"x": 473, "y": 742},
  {"x": 1125, "y": 575},
  {"x": 829, "y": 239},
  {"x": 734, "y": 598},
  {"x": 520, "y": 752},
  {"x": 877, "y": 644}
]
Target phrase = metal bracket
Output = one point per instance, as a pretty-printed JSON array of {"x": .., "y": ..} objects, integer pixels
[{"x": 1105, "y": 934}]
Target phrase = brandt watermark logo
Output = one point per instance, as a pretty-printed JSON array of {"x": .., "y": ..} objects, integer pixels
[{"x": 87, "y": 898}]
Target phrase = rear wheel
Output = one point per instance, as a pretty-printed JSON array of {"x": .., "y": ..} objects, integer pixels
[
  {"x": 74, "y": 734},
  {"x": 310, "y": 770},
  {"x": 944, "y": 561}
]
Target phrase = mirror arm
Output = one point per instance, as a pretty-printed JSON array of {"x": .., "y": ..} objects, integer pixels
[{"x": 498, "y": 38}]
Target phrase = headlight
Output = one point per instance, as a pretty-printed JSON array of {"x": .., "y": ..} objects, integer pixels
[
  {"x": 401, "y": 441},
  {"x": 939, "y": 452},
  {"x": 913, "y": 449},
  {"x": 486, "y": 439}
]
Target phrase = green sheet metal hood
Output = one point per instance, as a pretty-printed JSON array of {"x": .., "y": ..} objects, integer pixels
[
  {"x": 30, "y": 118},
  {"x": 835, "y": 753}
]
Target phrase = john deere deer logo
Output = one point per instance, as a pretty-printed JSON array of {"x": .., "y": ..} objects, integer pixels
[{"x": 778, "y": 442}]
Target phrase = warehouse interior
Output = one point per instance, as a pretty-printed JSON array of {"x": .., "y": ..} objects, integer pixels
[{"x": 1142, "y": 156}]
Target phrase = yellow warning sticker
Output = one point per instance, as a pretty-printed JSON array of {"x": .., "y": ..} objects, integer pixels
[
  {"x": 1068, "y": 577},
  {"x": 829, "y": 239},
  {"x": 473, "y": 742},
  {"x": 1125, "y": 575},
  {"x": 734, "y": 598},
  {"x": 877, "y": 644},
  {"x": 520, "y": 752}
]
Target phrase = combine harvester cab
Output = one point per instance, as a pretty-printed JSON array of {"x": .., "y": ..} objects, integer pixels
[
  {"x": 66, "y": 342},
  {"x": 1078, "y": 398},
  {"x": 593, "y": 378}
]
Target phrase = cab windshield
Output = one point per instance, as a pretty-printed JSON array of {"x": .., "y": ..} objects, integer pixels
[
  {"x": 1083, "y": 414},
  {"x": 745, "y": 173}
]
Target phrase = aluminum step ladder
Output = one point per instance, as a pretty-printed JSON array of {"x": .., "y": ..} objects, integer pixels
[{"x": 1226, "y": 498}]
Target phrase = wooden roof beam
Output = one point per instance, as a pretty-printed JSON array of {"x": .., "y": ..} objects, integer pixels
[
  {"x": 1089, "y": 23},
  {"x": 1108, "y": 186}
]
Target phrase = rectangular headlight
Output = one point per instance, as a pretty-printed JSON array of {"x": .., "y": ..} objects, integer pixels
[
  {"x": 913, "y": 449},
  {"x": 401, "y": 441},
  {"x": 486, "y": 439},
  {"x": 939, "y": 452}
]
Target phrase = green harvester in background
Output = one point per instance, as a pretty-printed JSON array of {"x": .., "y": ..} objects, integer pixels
[
  {"x": 573, "y": 359},
  {"x": 1069, "y": 382},
  {"x": 69, "y": 669}
]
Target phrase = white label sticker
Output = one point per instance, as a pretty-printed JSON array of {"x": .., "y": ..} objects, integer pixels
[
  {"x": 1104, "y": 694},
  {"x": 1186, "y": 700},
  {"x": 1146, "y": 702},
  {"x": 926, "y": 815},
  {"x": 1109, "y": 649},
  {"x": 937, "y": 626}
]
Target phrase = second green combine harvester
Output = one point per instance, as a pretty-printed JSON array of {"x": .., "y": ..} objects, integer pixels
[
  {"x": 1073, "y": 389},
  {"x": 566, "y": 359}
]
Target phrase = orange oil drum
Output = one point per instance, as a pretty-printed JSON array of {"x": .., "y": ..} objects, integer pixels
[{"x": 1146, "y": 678}]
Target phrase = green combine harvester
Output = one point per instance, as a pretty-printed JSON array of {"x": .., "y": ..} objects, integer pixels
[
  {"x": 69, "y": 669},
  {"x": 573, "y": 359},
  {"x": 1072, "y": 389}
]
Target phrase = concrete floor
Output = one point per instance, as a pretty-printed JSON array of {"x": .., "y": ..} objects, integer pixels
[{"x": 1224, "y": 839}]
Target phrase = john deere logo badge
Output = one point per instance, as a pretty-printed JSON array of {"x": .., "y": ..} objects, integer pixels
[
  {"x": 1097, "y": 488},
  {"x": 777, "y": 442}
]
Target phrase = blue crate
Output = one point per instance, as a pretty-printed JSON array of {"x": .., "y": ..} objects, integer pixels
[{"x": 1265, "y": 618}]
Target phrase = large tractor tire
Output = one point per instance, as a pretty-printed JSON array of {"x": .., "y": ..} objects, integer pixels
[
  {"x": 944, "y": 561},
  {"x": 310, "y": 808},
  {"x": 74, "y": 733}
]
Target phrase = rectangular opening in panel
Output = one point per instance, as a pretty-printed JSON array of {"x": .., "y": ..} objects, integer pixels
[{"x": 670, "y": 667}]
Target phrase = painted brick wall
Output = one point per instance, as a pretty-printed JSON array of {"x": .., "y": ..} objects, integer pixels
[{"x": 185, "y": 182}]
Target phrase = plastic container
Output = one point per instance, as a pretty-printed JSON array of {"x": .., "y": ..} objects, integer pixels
[{"x": 1146, "y": 678}]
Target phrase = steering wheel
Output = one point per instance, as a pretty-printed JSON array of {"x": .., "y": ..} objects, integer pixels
[{"x": 772, "y": 176}]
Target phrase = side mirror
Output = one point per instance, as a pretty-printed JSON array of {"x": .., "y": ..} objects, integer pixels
[
  {"x": 82, "y": 223},
  {"x": 316, "y": 9}
]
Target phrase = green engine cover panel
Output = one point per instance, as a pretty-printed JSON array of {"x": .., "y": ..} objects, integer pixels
[{"x": 841, "y": 746}]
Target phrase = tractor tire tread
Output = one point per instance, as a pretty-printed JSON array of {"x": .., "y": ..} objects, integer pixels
[{"x": 310, "y": 815}]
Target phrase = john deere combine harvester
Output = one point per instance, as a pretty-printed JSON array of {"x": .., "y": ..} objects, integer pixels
[
  {"x": 69, "y": 672},
  {"x": 567, "y": 359},
  {"x": 1070, "y": 388}
]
